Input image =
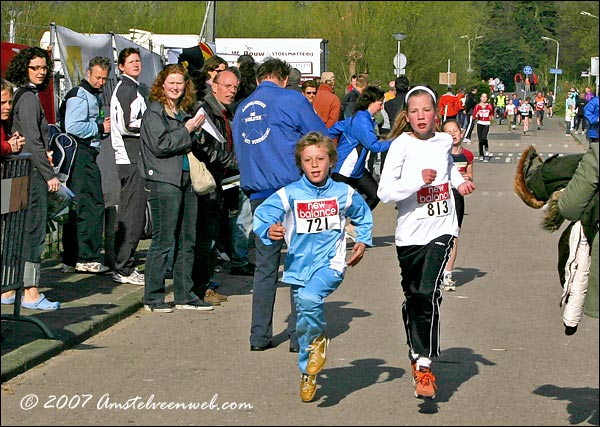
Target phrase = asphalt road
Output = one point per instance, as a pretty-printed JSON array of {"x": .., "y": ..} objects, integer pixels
[{"x": 505, "y": 358}]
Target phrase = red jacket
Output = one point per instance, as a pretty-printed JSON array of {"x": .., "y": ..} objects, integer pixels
[
  {"x": 451, "y": 102},
  {"x": 327, "y": 105},
  {"x": 6, "y": 149}
]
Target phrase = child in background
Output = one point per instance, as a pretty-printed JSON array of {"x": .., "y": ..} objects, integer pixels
[
  {"x": 11, "y": 143},
  {"x": 310, "y": 214},
  {"x": 510, "y": 114},
  {"x": 417, "y": 176},
  {"x": 463, "y": 160},
  {"x": 526, "y": 112},
  {"x": 483, "y": 114},
  {"x": 569, "y": 118}
]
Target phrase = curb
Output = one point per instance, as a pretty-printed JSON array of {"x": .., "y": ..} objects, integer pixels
[{"x": 26, "y": 357}]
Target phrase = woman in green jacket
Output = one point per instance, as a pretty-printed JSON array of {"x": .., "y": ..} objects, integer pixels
[{"x": 579, "y": 202}]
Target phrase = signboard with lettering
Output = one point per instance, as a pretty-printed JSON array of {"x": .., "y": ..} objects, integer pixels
[{"x": 307, "y": 55}]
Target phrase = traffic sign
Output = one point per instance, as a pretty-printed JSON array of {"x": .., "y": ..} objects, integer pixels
[
  {"x": 555, "y": 71},
  {"x": 400, "y": 60},
  {"x": 444, "y": 79},
  {"x": 528, "y": 70}
]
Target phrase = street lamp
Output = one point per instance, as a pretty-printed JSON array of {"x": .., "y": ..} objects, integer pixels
[
  {"x": 466, "y": 36},
  {"x": 556, "y": 66},
  {"x": 399, "y": 60},
  {"x": 584, "y": 13},
  {"x": 13, "y": 15}
]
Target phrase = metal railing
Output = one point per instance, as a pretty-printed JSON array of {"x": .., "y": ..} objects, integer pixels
[{"x": 15, "y": 171}]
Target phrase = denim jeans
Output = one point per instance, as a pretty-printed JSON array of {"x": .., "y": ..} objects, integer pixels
[
  {"x": 174, "y": 211},
  {"x": 241, "y": 232}
]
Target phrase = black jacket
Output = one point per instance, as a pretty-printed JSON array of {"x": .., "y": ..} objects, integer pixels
[
  {"x": 164, "y": 142},
  {"x": 470, "y": 102},
  {"x": 218, "y": 156}
]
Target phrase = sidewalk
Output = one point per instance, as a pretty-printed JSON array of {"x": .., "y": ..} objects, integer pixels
[{"x": 90, "y": 303}]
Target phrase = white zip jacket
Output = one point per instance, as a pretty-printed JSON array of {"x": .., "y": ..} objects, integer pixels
[{"x": 425, "y": 212}]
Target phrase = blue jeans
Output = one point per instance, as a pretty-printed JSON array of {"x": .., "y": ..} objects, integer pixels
[
  {"x": 241, "y": 232},
  {"x": 310, "y": 302},
  {"x": 174, "y": 211}
]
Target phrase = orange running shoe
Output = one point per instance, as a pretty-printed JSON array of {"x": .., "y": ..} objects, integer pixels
[{"x": 425, "y": 385}]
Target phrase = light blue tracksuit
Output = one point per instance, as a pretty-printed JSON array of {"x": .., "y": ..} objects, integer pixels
[{"x": 314, "y": 219}]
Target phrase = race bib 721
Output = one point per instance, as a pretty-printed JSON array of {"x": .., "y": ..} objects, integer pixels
[{"x": 315, "y": 216}]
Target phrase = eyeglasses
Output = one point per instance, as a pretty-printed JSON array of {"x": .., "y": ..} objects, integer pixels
[
  {"x": 38, "y": 67},
  {"x": 229, "y": 87},
  {"x": 311, "y": 93}
]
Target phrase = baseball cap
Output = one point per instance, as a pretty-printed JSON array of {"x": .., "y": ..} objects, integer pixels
[{"x": 327, "y": 75}]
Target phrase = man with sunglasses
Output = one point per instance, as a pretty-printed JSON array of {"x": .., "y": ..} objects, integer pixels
[
  {"x": 326, "y": 103},
  {"x": 309, "y": 90}
]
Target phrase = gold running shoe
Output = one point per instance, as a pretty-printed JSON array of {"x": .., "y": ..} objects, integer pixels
[
  {"x": 308, "y": 387},
  {"x": 318, "y": 355}
]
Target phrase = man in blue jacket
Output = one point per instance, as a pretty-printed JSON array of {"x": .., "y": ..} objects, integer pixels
[
  {"x": 266, "y": 127},
  {"x": 590, "y": 112},
  {"x": 83, "y": 118}
]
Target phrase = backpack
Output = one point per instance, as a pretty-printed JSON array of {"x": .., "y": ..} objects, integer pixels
[
  {"x": 61, "y": 145},
  {"x": 62, "y": 148}
]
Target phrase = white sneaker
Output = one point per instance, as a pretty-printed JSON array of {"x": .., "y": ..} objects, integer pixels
[
  {"x": 481, "y": 158},
  {"x": 487, "y": 154},
  {"x": 135, "y": 278},
  {"x": 91, "y": 267},
  {"x": 448, "y": 284},
  {"x": 67, "y": 269},
  {"x": 195, "y": 305},
  {"x": 222, "y": 256}
]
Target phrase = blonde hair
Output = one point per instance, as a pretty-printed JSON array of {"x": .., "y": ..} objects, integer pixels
[
  {"x": 315, "y": 138},
  {"x": 6, "y": 85}
]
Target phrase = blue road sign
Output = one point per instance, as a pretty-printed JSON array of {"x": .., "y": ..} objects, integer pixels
[
  {"x": 555, "y": 71},
  {"x": 528, "y": 70}
]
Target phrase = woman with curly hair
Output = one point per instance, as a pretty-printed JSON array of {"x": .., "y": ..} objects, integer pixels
[
  {"x": 166, "y": 137},
  {"x": 30, "y": 71}
]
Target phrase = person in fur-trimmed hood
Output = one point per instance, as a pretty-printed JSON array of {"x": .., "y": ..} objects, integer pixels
[{"x": 540, "y": 184}]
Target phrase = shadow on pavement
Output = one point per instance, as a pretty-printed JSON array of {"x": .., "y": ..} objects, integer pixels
[
  {"x": 338, "y": 383},
  {"x": 583, "y": 402}
]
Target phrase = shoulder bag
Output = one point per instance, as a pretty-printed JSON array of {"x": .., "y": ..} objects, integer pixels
[{"x": 202, "y": 180}]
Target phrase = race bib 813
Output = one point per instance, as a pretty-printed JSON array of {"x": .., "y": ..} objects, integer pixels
[{"x": 433, "y": 201}]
